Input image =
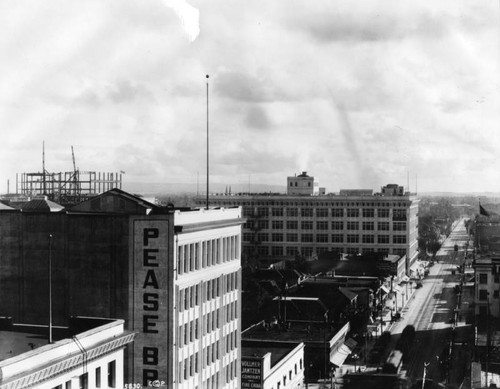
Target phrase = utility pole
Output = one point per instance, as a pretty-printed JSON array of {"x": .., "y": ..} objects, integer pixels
[{"x": 50, "y": 288}]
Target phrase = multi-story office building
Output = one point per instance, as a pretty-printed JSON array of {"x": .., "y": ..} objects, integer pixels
[
  {"x": 353, "y": 221},
  {"x": 172, "y": 275}
]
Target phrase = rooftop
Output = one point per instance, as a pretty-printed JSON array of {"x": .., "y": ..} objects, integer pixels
[{"x": 255, "y": 348}]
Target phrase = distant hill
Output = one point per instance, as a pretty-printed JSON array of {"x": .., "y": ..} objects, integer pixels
[{"x": 153, "y": 189}]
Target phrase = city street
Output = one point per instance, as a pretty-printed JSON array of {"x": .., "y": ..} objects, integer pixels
[{"x": 431, "y": 311}]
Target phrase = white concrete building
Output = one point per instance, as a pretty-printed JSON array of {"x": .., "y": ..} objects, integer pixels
[
  {"x": 93, "y": 358},
  {"x": 270, "y": 365},
  {"x": 186, "y": 296}
]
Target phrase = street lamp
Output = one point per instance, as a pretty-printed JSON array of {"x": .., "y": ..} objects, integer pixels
[{"x": 355, "y": 357}]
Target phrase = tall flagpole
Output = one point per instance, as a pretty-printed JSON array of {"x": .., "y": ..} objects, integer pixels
[{"x": 208, "y": 161}]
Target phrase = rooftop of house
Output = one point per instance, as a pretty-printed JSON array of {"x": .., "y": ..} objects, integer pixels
[{"x": 255, "y": 348}]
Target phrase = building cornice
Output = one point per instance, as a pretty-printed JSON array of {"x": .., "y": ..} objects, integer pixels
[{"x": 65, "y": 364}]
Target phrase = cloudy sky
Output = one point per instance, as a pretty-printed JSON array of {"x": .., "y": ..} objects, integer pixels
[{"x": 357, "y": 93}]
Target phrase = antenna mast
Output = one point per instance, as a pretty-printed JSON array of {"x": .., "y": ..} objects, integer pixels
[{"x": 43, "y": 169}]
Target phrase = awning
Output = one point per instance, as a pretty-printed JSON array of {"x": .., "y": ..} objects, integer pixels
[{"x": 338, "y": 357}]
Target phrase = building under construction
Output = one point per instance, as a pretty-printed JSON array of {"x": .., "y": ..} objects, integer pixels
[{"x": 67, "y": 187}]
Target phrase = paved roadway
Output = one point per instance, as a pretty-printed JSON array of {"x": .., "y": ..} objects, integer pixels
[{"x": 430, "y": 311}]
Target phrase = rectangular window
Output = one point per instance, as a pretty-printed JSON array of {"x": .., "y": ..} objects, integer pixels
[
  {"x": 98, "y": 377},
  {"x": 368, "y": 226},
  {"x": 483, "y": 294},
  {"x": 247, "y": 237},
  {"x": 337, "y": 212},
  {"x": 383, "y": 239},
  {"x": 292, "y": 237},
  {"x": 322, "y": 238},
  {"x": 277, "y": 224},
  {"x": 306, "y": 225},
  {"x": 399, "y": 239},
  {"x": 322, "y": 225},
  {"x": 112, "y": 374},
  {"x": 400, "y": 252},
  {"x": 368, "y": 239},
  {"x": 263, "y": 211},
  {"x": 337, "y": 238},
  {"x": 262, "y": 237},
  {"x": 292, "y": 224},
  {"x": 263, "y": 224},
  {"x": 399, "y": 214},
  {"x": 368, "y": 212},
  {"x": 291, "y": 251},
  {"x": 495, "y": 294},
  {"x": 338, "y": 226},
  {"x": 382, "y": 212},
  {"x": 352, "y": 238},
  {"x": 307, "y": 251},
  {"x": 68, "y": 385},
  {"x": 383, "y": 226},
  {"x": 277, "y": 251},
  {"x": 306, "y": 212},
  {"x": 306, "y": 237},
  {"x": 322, "y": 212},
  {"x": 352, "y": 212},
  {"x": 352, "y": 226},
  {"x": 84, "y": 381},
  {"x": 399, "y": 226},
  {"x": 277, "y": 212},
  {"x": 483, "y": 278},
  {"x": 277, "y": 237},
  {"x": 292, "y": 212}
]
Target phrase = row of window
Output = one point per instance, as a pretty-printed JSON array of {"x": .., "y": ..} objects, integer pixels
[
  {"x": 83, "y": 382},
  {"x": 194, "y": 256},
  {"x": 320, "y": 212},
  {"x": 290, "y": 376},
  {"x": 190, "y": 297},
  {"x": 307, "y": 251},
  {"x": 189, "y": 331},
  {"x": 483, "y": 278},
  {"x": 324, "y": 225},
  {"x": 483, "y": 294},
  {"x": 325, "y": 238}
]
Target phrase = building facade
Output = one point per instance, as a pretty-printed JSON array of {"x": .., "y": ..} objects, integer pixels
[
  {"x": 355, "y": 221},
  {"x": 270, "y": 365},
  {"x": 174, "y": 277},
  {"x": 92, "y": 358}
]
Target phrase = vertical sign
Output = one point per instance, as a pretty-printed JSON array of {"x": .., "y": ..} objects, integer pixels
[
  {"x": 150, "y": 299},
  {"x": 251, "y": 372}
]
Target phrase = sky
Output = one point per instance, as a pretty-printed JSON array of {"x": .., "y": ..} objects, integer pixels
[{"x": 357, "y": 93}]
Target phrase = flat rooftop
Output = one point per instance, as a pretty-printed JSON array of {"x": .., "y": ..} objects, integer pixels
[
  {"x": 13, "y": 343},
  {"x": 251, "y": 348},
  {"x": 291, "y": 332}
]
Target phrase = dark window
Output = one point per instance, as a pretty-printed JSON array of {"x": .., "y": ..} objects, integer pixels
[
  {"x": 306, "y": 225},
  {"x": 322, "y": 238},
  {"x": 483, "y": 294},
  {"x": 368, "y": 239},
  {"x": 352, "y": 238},
  {"x": 322, "y": 226},
  {"x": 84, "y": 381},
  {"x": 292, "y": 224},
  {"x": 276, "y": 237},
  {"x": 292, "y": 237},
  {"x": 368, "y": 226},
  {"x": 277, "y": 224},
  {"x": 112, "y": 374},
  {"x": 399, "y": 226},
  {"x": 338, "y": 226},
  {"x": 307, "y": 237},
  {"x": 483, "y": 278},
  {"x": 306, "y": 212},
  {"x": 352, "y": 226},
  {"x": 368, "y": 212},
  {"x": 337, "y": 238},
  {"x": 337, "y": 212},
  {"x": 383, "y": 212},
  {"x": 98, "y": 377},
  {"x": 292, "y": 212},
  {"x": 383, "y": 239},
  {"x": 352, "y": 212},
  {"x": 322, "y": 212},
  {"x": 277, "y": 211}
]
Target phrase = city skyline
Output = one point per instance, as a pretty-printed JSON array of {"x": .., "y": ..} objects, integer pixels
[{"x": 357, "y": 94}]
